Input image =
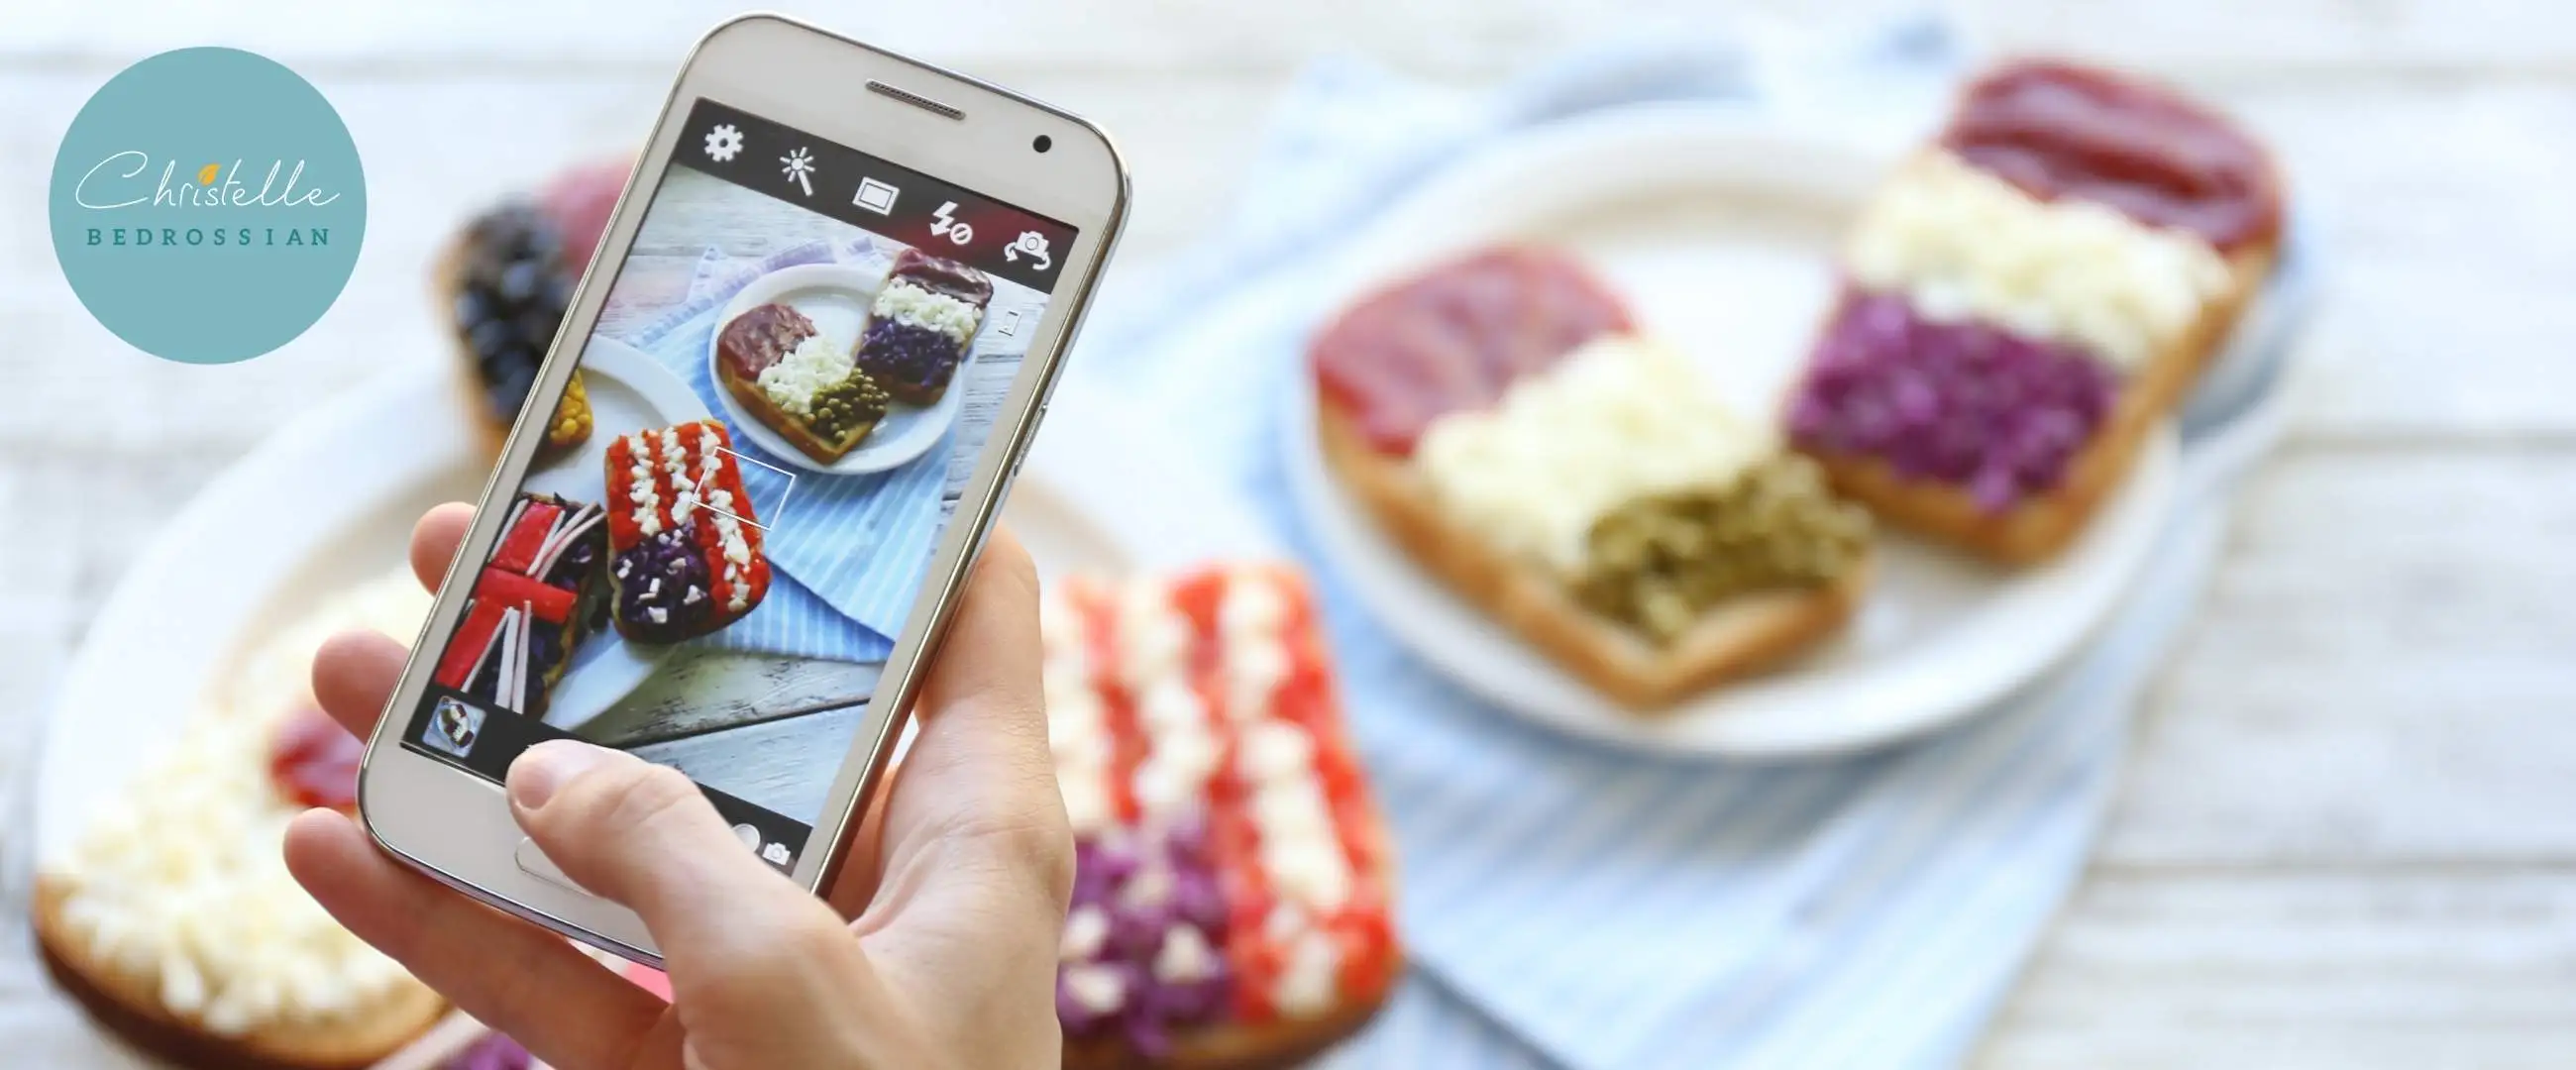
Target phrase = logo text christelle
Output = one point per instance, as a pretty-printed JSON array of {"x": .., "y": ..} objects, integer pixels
[{"x": 113, "y": 185}]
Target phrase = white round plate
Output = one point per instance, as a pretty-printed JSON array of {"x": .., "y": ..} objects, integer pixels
[
  {"x": 836, "y": 298},
  {"x": 226, "y": 572},
  {"x": 1718, "y": 230},
  {"x": 629, "y": 391},
  {"x": 1107, "y": 494},
  {"x": 230, "y": 567}
]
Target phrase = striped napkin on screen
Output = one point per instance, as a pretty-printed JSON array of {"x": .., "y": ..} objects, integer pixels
[
  {"x": 1573, "y": 906},
  {"x": 847, "y": 551}
]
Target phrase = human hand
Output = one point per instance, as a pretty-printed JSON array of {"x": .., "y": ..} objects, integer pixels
[{"x": 956, "y": 885}]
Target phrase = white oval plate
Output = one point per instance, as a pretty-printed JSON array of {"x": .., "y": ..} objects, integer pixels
[
  {"x": 1717, "y": 229},
  {"x": 1106, "y": 493},
  {"x": 225, "y": 572},
  {"x": 629, "y": 391},
  {"x": 230, "y": 567},
  {"x": 836, "y": 298}
]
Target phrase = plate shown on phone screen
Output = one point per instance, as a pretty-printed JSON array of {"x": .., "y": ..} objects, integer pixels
[
  {"x": 836, "y": 298},
  {"x": 628, "y": 390}
]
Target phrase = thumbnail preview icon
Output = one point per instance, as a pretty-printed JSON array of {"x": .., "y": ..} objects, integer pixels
[{"x": 453, "y": 727}]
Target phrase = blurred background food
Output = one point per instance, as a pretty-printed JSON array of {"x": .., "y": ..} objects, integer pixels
[{"x": 2339, "y": 839}]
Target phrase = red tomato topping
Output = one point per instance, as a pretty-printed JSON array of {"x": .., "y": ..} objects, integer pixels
[
  {"x": 2057, "y": 130},
  {"x": 313, "y": 761},
  {"x": 1455, "y": 337},
  {"x": 1197, "y": 596}
]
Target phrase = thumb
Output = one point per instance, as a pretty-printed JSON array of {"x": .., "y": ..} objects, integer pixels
[
  {"x": 644, "y": 836},
  {"x": 760, "y": 969},
  {"x": 633, "y": 831}
]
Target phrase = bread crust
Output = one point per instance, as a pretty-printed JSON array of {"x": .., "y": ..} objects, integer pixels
[
  {"x": 128, "y": 1005},
  {"x": 919, "y": 398},
  {"x": 1274, "y": 1045},
  {"x": 2038, "y": 527},
  {"x": 756, "y": 401},
  {"x": 1282, "y": 1042},
  {"x": 1745, "y": 635}
]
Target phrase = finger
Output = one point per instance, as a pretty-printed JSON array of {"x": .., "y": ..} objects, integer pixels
[
  {"x": 756, "y": 964},
  {"x": 862, "y": 865},
  {"x": 978, "y": 856},
  {"x": 512, "y": 976},
  {"x": 435, "y": 539},
  {"x": 996, "y": 634},
  {"x": 640, "y": 834},
  {"x": 992, "y": 678},
  {"x": 979, "y": 772},
  {"x": 354, "y": 673},
  {"x": 353, "y": 676}
]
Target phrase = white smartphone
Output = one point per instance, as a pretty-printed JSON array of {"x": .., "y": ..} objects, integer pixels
[{"x": 813, "y": 345}]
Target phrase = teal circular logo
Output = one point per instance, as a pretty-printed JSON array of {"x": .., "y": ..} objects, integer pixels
[{"x": 208, "y": 205}]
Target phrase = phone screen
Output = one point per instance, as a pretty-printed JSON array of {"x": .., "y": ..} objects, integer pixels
[{"x": 710, "y": 557}]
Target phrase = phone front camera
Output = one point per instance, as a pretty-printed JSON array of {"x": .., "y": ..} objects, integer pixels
[{"x": 1043, "y": 143}]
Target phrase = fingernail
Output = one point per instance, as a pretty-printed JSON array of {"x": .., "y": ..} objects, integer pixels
[{"x": 543, "y": 769}]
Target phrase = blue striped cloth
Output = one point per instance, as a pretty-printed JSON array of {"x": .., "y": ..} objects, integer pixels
[
  {"x": 846, "y": 551},
  {"x": 1571, "y": 906}
]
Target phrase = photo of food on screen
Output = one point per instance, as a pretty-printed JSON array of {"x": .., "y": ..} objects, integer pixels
[{"x": 720, "y": 537}]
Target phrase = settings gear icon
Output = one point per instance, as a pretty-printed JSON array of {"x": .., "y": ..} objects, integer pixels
[{"x": 724, "y": 143}]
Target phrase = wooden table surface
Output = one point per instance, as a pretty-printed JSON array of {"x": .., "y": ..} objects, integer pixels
[{"x": 2343, "y": 838}]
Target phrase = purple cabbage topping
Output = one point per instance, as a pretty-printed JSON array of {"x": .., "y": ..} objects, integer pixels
[
  {"x": 913, "y": 363},
  {"x": 662, "y": 589},
  {"x": 578, "y": 560},
  {"x": 1137, "y": 890},
  {"x": 1962, "y": 403},
  {"x": 547, "y": 648},
  {"x": 493, "y": 1052}
]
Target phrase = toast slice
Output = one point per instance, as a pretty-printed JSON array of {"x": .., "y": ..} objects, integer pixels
[
  {"x": 570, "y": 423},
  {"x": 1747, "y": 634},
  {"x": 532, "y": 604},
  {"x": 685, "y": 555},
  {"x": 1235, "y": 880},
  {"x": 789, "y": 426},
  {"x": 922, "y": 326},
  {"x": 1273, "y": 1045},
  {"x": 2038, "y": 527},
  {"x": 127, "y": 1003},
  {"x": 2083, "y": 145},
  {"x": 843, "y": 402}
]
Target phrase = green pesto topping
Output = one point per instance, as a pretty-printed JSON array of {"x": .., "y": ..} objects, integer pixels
[{"x": 1658, "y": 564}]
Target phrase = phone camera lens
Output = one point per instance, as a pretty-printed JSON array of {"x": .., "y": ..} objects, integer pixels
[{"x": 1043, "y": 143}]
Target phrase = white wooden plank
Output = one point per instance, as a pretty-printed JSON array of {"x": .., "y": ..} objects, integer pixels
[
  {"x": 2441, "y": 321},
  {"x": 786, "y": 765},
  {"x": 2272, "y": 40},
  {"x": 2437, "y": 254},
  {"x": 702, "y": 692},
  {"x": 2336, "y": 846},
  {"x": 435, "y": 155},
  {"x": 2288, "y": 970},
  {"x": 983, "y": 36},
  {"x": 2381, "y": 671},
  {"x": 2283, "y": 40}
]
